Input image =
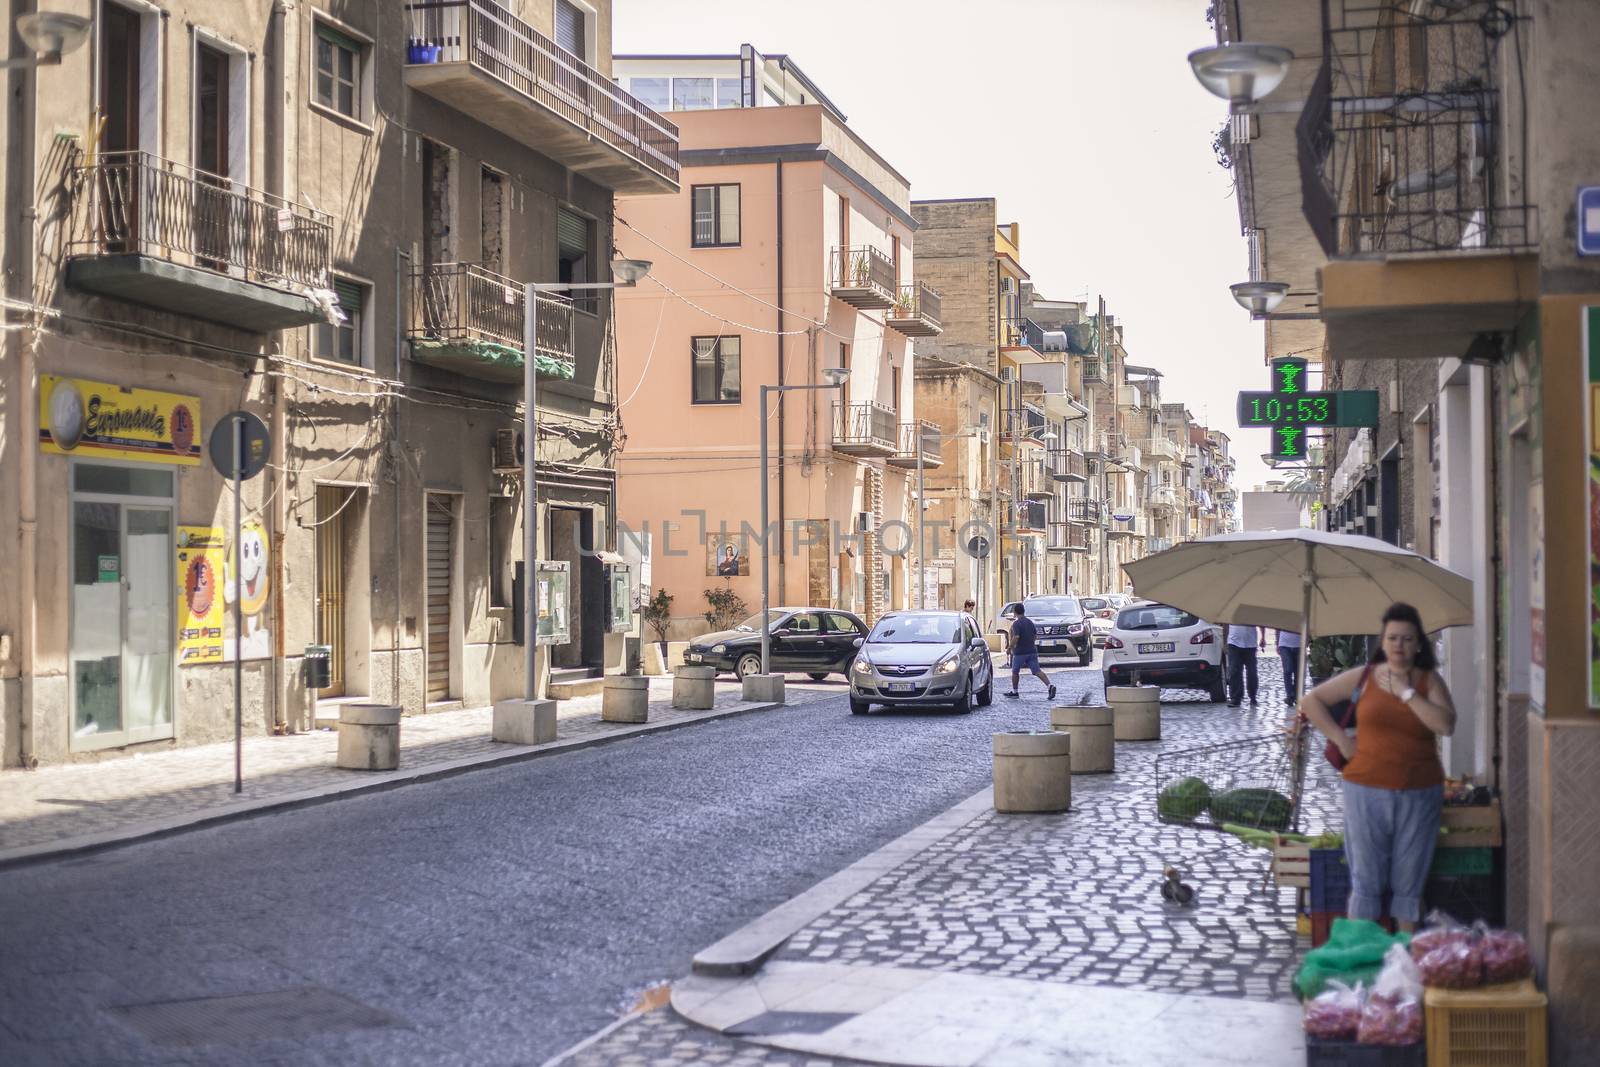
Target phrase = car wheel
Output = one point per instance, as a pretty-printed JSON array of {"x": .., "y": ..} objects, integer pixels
[
  {"x": 816, "y": 676},
  {"x": 859, "y": 707},
  {"x": 964, "y": 705},
  {"x": 1219, "y": 692},
  {"x": 1085, "y": 656},
  {"x": 986, "y": 694},
  {"x": 749, "y": 663}
]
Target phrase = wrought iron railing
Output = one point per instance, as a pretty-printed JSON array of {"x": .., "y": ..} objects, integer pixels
[
  {"x": 494, "y": 40},
  {"x": 918, "y": 300},
  {"x": 931, "y": 439},
  {"x": 1092, "y": 371},
  {"x": 864, "y": 425},
  {"x": 1087, "y": 511},
  {"x": 134, "y": 202},
  {"x": 1070, "y": 465},
  {"x": 1408, "y": 135},
  {"x": 1027, "y": 515},
  {"x": 864, "y": 267},
  {"x": 465, "y": 302}
]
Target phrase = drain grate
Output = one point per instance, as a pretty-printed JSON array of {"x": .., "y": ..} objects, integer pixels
[
  {"x": 282, "y": 1014},
  {"x": 790, "y": 1022}
]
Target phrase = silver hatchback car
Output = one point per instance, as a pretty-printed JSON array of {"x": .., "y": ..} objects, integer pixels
[{"x": 922, "y": 658}]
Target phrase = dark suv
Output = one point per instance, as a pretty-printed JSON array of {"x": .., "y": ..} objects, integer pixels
[{"x": 1062, "y": 624}]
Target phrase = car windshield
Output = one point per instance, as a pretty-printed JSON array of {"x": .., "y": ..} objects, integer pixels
[
  {"x": 1154, "y": 617},
  {"x": 1054, "y": 606},
  {"x": 943, "y": 628},
  {"x": 1094, "y": 603},
  {"x": 753, "y": 623}
]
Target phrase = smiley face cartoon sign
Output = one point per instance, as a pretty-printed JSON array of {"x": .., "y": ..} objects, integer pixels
[{"x": 247, "y": 576}]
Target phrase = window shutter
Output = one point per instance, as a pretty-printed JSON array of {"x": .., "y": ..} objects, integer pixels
[
  {"x": 569, "y": 29},
  {"x": 728, "y": 210},
  {"x": 572, "y": 231},
  {"x": 343, "y": 40},
  {"x": 351, "y": 296}
]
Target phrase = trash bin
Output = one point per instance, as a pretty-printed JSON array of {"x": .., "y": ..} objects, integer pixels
[{"x": 318, "y": 666}]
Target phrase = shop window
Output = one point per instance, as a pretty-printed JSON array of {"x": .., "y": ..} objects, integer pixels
[
  {"x": 346, "y": 342},
  {"x": 715, "y": 216},
  {"x": 716, "y": 370}
]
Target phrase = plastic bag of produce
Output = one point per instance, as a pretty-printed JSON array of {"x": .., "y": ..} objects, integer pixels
[
  {"x": 1505, "y": 957},
  {"x": 1392, "y": 1013},
  {"x": 1440, "y": 930},
  {"x": 1354, "y": 953},
  {"x": 1335, "y": 1013},
  {"x": 1454, "y": 964}
]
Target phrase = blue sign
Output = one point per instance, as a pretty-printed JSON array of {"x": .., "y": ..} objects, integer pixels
[{"x": 1589, "y": 220}]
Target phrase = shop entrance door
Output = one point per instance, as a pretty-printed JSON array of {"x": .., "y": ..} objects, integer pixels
[
  {"x": 441, "y": 520},
  {"x": 123, "y": 599},
  {"x": 331, "y": 503}
]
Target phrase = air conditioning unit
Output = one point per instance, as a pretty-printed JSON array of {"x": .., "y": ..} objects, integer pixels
[
  {"x": 507, "y": 451},
  {"x": 1008, "y": 285},
  {"x": 1008, "y": 375},
  {"x": 865, "y": 522},
  {"x": 983, "y": 436}
]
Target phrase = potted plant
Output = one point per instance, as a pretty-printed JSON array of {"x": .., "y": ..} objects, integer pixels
[
  {"x": 902, "y": 304},
  {"x": 726, "y": 607},
  {"x": 859, "y": 269},
  {"x": 657, "y": 613}
]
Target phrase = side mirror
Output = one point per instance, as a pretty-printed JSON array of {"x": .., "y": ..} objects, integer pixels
[
  {"x": 858, "y": 642},
  {"x": 978, "y": 642},
  {"x": 782, "y": 631}
]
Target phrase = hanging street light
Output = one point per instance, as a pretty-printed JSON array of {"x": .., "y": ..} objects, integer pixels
[
  {"x": 1241, "y": 73},
  {"x": 1259, "y": 298}
]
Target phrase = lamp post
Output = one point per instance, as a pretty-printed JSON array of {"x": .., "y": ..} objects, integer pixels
[
  {"x": 835, "y": 379},
  {"x": 50, "y": 34},
  {"x": 627, "y": 272},
  {"x": 1241, "y": 73}
]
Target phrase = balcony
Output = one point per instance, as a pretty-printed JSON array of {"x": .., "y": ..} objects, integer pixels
[
  {"x": 469, "y": 320},
  {"x": 1129, "y": 455},
  {"x": 1126, "y": 528},
  {"x": 1070, "y": 466},
  {"x": 863, "y": 278},
  {"x": 1027, "y": 517},
  {"x": 1036, "y": 481},
  {"x": 154, "y": 232},
  {"x": 1164, "y": 498},
  {"x": 484, "y": 62},
  {"x": 1069, "y": 539},
  {"x": 1161, "y": 448},
  {"x": 910, "y": 434},
  {"x": 1092, "y": 371},
  {"x": 1152, "y": 545},
  {"x": 1086, "y": 512},
  {"x": 916, "y": 311},
  {"x": 864, "y": 430}
]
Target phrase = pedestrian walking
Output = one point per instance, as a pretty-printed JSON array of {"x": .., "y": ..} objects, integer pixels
[
  {"x": 1021, "y": 642},
  {"x": 1289, "y": 656},
  {"x": 1393, "y": 780},
  {"x": 1243, "y": 641}
]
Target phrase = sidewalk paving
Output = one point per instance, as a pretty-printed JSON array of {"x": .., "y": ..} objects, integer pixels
[
  {"x": 74, "y": 807},
  {"x": 1018, "y": 939}
]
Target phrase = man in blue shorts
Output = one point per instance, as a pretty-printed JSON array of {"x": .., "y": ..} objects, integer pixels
[{"x": 1025, "y": 652}]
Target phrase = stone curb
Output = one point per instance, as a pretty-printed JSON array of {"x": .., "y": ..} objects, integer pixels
[
  {"x": 746, "y": 949},
  {"x": 374, "y": 783}
]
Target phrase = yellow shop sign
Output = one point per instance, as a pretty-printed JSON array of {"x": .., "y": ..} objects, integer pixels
[{"x": 78, "y": 417}]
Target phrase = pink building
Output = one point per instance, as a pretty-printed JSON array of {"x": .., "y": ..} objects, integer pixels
[{"x": 787, "y": 251}]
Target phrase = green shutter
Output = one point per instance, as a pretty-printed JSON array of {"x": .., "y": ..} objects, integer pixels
[
  {"x": 351, "y": 296},
  {"x": 572, "y": 232},
  {"x": 342, "y": 40}
]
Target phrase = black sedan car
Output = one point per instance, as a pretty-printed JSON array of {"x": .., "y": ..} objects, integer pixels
[{"x": 812, "y": 641}]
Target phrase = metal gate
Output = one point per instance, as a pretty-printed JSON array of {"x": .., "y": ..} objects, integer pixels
[
  {"x": 441, "y": 517},
  {"x": 331, "y": 502}
]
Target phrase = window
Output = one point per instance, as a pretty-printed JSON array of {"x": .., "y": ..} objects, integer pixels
[
  {"x": 730, "y": 92},
  {"x": 338, "y": 71},
  {"x": 894, "y": 399},
  {"x": 346, "y": 342},
  {"x": 503, "y": 552},
  {"x": 716, "y": 370},
  {"x": 716, "y": 215},
  {"x": 652, "y": 92},
  {"x": 843, "y": 624},
  {"x": 693, "y": 94},
  {"x": 575, "y": 249},
  {"x": 572, "y": 29}
]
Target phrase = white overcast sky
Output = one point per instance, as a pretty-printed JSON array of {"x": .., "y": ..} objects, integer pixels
[{"x": 1079, "y": 116}]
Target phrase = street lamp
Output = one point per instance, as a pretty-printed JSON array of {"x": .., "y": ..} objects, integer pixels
[
  {"x": 51, "y": 34},
  {"x": 627, "y": 273},
  {"x": 1259, "y": 298},
  {"x": 1241, "y": 73},
  {"x": 833, "y": 378}
]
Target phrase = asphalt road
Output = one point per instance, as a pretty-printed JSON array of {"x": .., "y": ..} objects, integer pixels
[{"x": 496, "y": 917}]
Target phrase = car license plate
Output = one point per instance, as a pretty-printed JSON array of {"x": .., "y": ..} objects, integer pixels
[
  {"x": 1165, "y": 646},
  {"x": 901, "y": 687},
  {"x": 691, "y": 657}
]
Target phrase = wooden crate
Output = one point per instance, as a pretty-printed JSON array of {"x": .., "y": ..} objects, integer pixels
[
  {"x": 1470, "y": 826},
  {"x": 1291, "y": 863}
]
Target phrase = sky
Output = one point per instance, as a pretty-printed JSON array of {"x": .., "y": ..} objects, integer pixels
[{"x": 1080, "y": 117}]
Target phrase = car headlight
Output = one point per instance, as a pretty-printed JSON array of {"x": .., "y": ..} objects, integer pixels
[
  {"x": 863, "y": 665},
  {"x": 719, "y": 649},
  {"x": 949, "y": 664}
]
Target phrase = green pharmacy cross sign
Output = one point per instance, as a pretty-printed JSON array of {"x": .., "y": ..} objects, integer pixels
[{"x": 1290, "y": 410}]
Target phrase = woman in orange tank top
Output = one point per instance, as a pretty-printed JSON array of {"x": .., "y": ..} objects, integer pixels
[{"x": 1393, "y": 780}]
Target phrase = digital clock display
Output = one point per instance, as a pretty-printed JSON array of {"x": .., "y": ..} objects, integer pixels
[{"x": 1299, "y": 409}]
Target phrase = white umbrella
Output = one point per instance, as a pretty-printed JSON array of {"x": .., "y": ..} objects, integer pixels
[{"x": 1307, "y": 580}]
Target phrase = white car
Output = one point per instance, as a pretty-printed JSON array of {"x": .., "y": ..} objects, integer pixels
[
  {"x": 1160, "y": 645},
  {"x": 1102, "y": 613}
]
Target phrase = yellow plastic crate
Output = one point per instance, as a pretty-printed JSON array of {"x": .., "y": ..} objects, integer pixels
[{"x": 1496, "y": 1026}]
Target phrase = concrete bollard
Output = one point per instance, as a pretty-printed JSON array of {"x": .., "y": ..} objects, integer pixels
[
  {"x": 369, "y": 737},
  {"x": 1136, "y": 711},
  {"x": 763, "y": 688},
  {"x": 675, "y": 651},
  {"x": 625, "y": 698},
  {"x": 653, "y": 659},
  {"x": 694, "y": 688},
  {"x": 1032, "y": 772},
  {"x": 1092, "y": 731},
  {"x": 524, "y": 722}
]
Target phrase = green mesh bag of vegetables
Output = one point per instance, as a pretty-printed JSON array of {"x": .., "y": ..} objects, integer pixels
[{"x": 1353, "y": 953}]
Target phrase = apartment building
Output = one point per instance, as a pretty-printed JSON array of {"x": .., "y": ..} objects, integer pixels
[
  {"x": 1438, "y": 258},
  {"x": 322, "y": 214},
  {"x": 787, "y": 254}
]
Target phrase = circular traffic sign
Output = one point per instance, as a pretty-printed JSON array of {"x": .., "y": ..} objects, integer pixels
[
  {"x": 257, "y": 444},
  {"x": 978, "y": 547}
]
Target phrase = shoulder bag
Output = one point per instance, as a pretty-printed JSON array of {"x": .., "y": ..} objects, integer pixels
[{"x": 1331, "y": 751}]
